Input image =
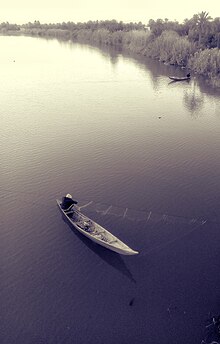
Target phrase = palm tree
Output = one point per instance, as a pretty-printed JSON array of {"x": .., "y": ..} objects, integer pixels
[{"x": 202, "y": 20}]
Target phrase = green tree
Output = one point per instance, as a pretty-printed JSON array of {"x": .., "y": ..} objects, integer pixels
[
  {"x": 156, "y": 27},
  {"x": 202, "y": 22}
]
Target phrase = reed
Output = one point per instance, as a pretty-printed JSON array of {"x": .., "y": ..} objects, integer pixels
[{"x": 206, "y": 62}]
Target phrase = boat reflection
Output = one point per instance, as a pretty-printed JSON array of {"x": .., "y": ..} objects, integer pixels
[
  {"x": 111, "y": 258},
  {"x": 176, "y": 81}
]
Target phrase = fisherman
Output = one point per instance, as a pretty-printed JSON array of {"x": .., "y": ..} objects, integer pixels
[{"x": 68, "y": 202}]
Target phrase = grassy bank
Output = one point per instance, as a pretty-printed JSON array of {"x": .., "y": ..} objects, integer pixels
[{"x": 168, "y": 42}]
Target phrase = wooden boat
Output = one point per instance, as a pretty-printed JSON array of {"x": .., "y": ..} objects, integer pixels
[
  {"x": 175, "y": 78},
  {"x": 95, "y": 232}
]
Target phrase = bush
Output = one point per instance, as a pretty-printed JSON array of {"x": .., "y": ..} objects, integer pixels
[
  {"x": 136, "y": 41},
  {"x": 58, "y": 33},
  {"x": 206, "y": 62},
  {"x": 171, "y": 48}
]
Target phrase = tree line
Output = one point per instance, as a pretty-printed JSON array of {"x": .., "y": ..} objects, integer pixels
[
  {"x": 200, "y": 29},
  {"x": 194, "y": 44},
  {"x": 110, "y": 25}
]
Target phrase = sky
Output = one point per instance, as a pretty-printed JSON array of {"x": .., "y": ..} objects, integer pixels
[{"x": 57, "y": 11}]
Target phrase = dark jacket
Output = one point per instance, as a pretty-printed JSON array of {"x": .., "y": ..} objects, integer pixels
[{"x": 67, "y": 202}]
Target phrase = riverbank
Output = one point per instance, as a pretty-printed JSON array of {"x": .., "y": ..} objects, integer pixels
[{"x": 169, "y": 47}]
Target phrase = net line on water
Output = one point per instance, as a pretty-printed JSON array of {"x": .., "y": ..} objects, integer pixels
[{"x": 136, "y": 215}]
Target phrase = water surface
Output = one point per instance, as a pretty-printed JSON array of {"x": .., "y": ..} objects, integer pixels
[{"x": 109, "y": 128}]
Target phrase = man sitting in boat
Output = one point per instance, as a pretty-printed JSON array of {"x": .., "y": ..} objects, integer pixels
[{"x": 68, "y": 202}]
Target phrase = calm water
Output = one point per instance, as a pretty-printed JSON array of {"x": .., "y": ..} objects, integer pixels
[{"x": 108, "y": 128}]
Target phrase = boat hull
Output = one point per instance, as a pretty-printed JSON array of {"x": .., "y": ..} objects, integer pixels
[
  {"x": 179, "y": 79},
  {"x": 98, "y": 235}
]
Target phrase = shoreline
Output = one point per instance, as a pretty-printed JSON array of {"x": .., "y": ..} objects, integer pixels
[{"x": 169, "y": 47}]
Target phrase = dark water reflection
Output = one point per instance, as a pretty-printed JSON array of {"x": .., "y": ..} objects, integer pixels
[{"x": 194, "y": 100}]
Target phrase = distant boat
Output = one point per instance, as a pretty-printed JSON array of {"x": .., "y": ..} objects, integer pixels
[
  {"x": 94, "y": 231},
  {"x": 176, "y": 78}
]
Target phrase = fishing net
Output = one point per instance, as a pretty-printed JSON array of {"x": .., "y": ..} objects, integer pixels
[{"x": 138, "y": 216}]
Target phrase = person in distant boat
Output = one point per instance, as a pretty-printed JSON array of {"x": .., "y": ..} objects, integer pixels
[
  {"x": 188, "y": 75},
  {"x": 68, "y": 202}
]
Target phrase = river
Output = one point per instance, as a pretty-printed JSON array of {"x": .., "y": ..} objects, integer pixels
[{"x": 143, "y": 153}]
